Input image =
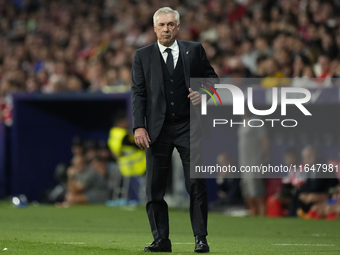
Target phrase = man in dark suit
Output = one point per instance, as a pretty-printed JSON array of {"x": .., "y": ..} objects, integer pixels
[{"x": 161, "y": 96}]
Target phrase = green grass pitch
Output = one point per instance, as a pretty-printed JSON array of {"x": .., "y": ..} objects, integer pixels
[{"x": 98, "y": 229}]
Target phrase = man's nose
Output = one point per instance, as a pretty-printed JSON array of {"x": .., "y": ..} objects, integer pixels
[{"x": 165, "y": 28}]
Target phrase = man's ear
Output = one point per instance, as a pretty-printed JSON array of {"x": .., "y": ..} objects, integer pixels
[{"x": 178, "y": 27}]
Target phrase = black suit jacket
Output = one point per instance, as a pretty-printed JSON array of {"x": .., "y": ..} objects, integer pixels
[{"x": 147, "y": 85}]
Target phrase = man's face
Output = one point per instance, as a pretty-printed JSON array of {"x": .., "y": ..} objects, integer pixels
[
  {"x": 308, "y": 156},
  {"x": 166, "y": 29},
  {"x": 290, "y": 159},
  {"x": 324, "y": 64}
]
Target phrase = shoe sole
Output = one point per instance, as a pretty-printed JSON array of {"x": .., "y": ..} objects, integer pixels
[
  {"x": 169, "y": 251},
  {"x": 201, "y": 251},
  {"x": 158, "y": 251}
]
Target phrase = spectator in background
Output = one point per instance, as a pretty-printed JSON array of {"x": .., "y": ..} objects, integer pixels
[
  {"x": 112, "y": 76},
  {"x": 328, "y": 46},
  {"x": 253, "y": 150},
  {"x": 280, "y": 203},
  {"x": 90, "y": 150},
  {"x": 77, "y": 146},
  {"x": 74, "y": 84},
  {"x": 262, "y": 46},
  {"x": 7, "y": 88},
  {"x": 32, "y": 85},
  {"x": 336, "y": 70},
  {"x": 274, "y": 77},
  {"x": 104, "y": 152},
  {"x": 113, "y": 173},
  {"x": 249, "y": 55},
  {"x": 51, "y": 42},
  {"x": 307, "y": 78},
  {"x": 261, "y": 66},
  {"x": 96, "y": 75},
  {"x": 329, "y": 209},
  {"x": 86, "y": 184},
  {"x": 125, "y": 75},
  {"x": 300, "y": 61},
  {"x": 57, "y": 194},
  {"x": 283, "y": 59},
  {"x": 99, "y": 159},
  {"x": 335, "y": 163},
  {"x": 315, "y": 188},
  {"x": 324, "y": 69},
  {"x": 229, "y": 192},
  {"x": 130, "y": 158},
  {"x": 55, "y": 84}
]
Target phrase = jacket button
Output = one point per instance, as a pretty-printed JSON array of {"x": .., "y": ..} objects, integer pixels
[
  {"x": 171, "y": 92},
  {"x": 172, "y": 103},
  {"x": 172, "y": 80}
]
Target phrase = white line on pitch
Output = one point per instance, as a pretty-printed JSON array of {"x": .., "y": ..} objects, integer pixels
[
  {"x": 72, "y": 243},
  {"x": 303, "y": 244}
]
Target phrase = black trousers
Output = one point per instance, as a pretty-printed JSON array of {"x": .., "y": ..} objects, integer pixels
[{"x": 158, "y": 158}]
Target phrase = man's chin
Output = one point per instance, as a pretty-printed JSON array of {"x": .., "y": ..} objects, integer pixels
[{"x": 166, "y": 42}]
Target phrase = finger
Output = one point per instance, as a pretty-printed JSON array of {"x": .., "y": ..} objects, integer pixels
[
  {"x": 142, "y": 146},
  {"x": 146, "y": 143},
  {"x": 196, "y": 101},
  {"x": 141, "y": 142},
  {"x": 190, "y": 90},
  {"x": 138, "y": 144},
  {"x": 198, "y": 94},
  {"x": 193, "y": 96},
  {"x": 147, "y": 135},
  {"x": 196, "y": 98}
]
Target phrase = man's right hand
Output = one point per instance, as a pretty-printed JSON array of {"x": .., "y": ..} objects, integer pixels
[{"x": 142, "y": 138}]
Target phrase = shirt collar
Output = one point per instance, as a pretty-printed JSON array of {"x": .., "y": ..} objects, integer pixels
[{"x": 162, "y": 48}]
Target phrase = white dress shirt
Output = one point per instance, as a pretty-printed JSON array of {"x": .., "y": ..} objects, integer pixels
[{"x": 174, "y": 51}]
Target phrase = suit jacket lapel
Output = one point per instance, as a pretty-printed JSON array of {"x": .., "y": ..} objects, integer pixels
[
  {"x": 156, "y": 66},
  {"x": 185, "y": 55}
]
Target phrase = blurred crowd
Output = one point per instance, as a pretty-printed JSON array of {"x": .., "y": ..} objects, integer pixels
[
  {"x": 311, "y": 194},
  {"x": 106, "y": 171},
  {"x": 87, "y": 45},
  {"x": 89, "y": 177}
]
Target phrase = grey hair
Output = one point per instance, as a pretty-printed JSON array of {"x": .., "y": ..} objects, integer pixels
[{"x": 166, "y": 10}]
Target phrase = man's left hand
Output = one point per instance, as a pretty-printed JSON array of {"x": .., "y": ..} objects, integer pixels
[{"x": 194, "y": 96}]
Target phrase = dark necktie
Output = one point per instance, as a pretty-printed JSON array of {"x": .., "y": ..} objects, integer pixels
[{"x": 170, "y": 61}]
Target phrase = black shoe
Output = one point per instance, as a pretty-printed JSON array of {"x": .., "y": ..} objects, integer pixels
[
  {"x": 201, "y": 245},
  {"x": 159, "y": 245}
]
